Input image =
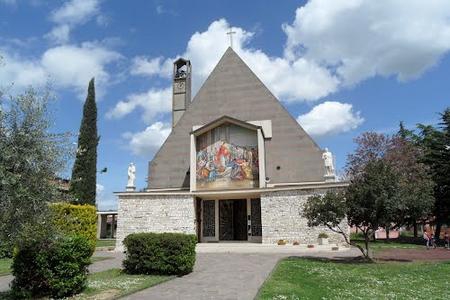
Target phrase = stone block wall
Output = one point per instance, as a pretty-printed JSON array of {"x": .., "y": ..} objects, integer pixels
[
  {"x": 154, "y": 213},
  {"x": 281, "y": 218}
]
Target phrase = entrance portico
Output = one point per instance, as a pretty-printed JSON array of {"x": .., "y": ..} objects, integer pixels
[{"x": 235, "y": 219}]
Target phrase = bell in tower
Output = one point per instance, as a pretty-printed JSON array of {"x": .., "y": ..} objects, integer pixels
[{"x": 181, "y": 89}]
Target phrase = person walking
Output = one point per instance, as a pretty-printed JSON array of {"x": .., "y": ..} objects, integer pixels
[
  {"x": 426, "y": 237},
  {"x": 447, "y": 239}
]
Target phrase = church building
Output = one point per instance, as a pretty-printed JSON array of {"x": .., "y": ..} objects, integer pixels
[{"x": 235, "y": 167}]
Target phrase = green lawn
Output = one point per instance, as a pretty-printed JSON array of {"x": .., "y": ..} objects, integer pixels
[
  {"x": 112, "y": 284},
  {"x": 296, "y": 278},
  {"x": 392, "y": 244},
  {"x": 5, "y": 264},
  {"x": 106, "y": 243}
]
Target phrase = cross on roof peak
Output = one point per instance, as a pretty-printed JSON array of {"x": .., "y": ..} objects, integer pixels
[{"x": 230, "y": 33}]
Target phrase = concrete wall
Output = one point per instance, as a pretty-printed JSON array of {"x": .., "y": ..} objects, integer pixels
[
  {"x": 154, "y": 213},
  {"x": 281, "y": 218}
]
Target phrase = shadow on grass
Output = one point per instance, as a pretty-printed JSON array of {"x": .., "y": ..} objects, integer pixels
[{"x": 341, "y": 260}]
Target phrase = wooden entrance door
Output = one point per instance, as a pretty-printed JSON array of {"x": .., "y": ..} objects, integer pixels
[{"x": 233, "y": 220}]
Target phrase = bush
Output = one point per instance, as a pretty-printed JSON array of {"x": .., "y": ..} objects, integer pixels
[
  {"x": 159, "y": 253},
  {"x": 50, "y": 266},
  {"x": 323, "y": 235},
  {"x": 70, "y": 219},
  {"x": 6, "y": 249}
]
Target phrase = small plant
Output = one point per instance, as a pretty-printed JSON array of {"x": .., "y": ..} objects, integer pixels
[
  {"x": 323, "y": 235},
  {"x": 295, "y": 243},
  {"x": 310, "y": 246},
  {"x": 282, "y": 242}
]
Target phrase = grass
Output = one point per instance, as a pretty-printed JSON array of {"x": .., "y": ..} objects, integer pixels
[
  {"x": 295, "y": 278},
  {"x": 5, "y": 264},
  {"x": 105, "y": 243},
  {"x": 111, "y": 284},
  {"x": 391, "y": 244}
]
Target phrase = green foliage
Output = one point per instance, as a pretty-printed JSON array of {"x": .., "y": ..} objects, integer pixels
[
  {"x": 84, "y": 173},
  {"x": 159, "y": 253},
  {"x": 70, "y": 219},
  {"x": 30, "y": 159},
  {"x": 50, "y": 266},
  {"x": 435, "y": 143},
  {"x": 323, "y": 235}
]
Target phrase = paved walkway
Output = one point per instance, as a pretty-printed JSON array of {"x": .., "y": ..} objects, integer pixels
[
  {"x": 114, "y": 262},
  {"x": 222, "y": 271},
  {"x": 228, "y": 275}
]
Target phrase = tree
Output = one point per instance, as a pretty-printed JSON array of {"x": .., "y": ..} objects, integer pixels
[
  {"x": 371, "y": 199},
  {"x": 84, "y": 173},
  {"x": 415, "y": 184},
  {"x": 435, "y": 143},
  {"x": 389, "y": 187},
  {"x": 30, "y": 159}
]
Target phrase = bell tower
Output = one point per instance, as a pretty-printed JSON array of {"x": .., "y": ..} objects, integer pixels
[{"x": 181, "y": 94}]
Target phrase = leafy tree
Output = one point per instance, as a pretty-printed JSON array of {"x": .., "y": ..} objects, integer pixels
[
  {"x": 30, "y": 159},
  {"x": 415, "y": 184},
  {"x": 389, "y": 187},
  {"x": 84, "y": 173},
  {"x": 435, "y": 143},
  {"x": 372, "y": 198}
]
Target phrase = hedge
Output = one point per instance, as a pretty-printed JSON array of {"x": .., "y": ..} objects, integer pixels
[
  {"x": 50, "y": 266},
  {"x": 159, "y": 253},
  {"x": 72, "y": 219}
]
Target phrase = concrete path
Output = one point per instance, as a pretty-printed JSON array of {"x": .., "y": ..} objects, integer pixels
[
  {"x": 115, "y": 261},
  {"x": 227, "y": 275}
]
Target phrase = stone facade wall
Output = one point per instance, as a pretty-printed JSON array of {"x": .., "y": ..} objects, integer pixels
[
  {"x": 154, "y": 213},
  {"x": 281, "y": 218}
]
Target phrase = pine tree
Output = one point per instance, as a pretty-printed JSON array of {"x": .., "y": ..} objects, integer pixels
[{"x": 84, "y": 172}]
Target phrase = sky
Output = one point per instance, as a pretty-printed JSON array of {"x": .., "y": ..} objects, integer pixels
[{"x": 340, "y": 67}]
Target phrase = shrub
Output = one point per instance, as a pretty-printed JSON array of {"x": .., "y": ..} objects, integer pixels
[
  {"x": 159, "y": 253},
  {"x": 70, "y": 219},
  {"x": 323, "y": 235},
  {"x": 6, "y": 249},
  {"x": 50, "y": 266},
  {"x": 282, "y": 242}
]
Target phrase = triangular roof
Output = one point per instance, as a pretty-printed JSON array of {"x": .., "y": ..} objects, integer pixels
[
  {"x": 232, "y": 89},
  {"x": 223, "y": 120}
]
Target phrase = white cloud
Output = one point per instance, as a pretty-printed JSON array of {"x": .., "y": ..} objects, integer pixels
[
  {"x": 329, "y": 118},
  {"x": 71, "y": 14},
  {"x": 363, "y": 38},
  {"x": 73, "y": 66},
  {"x": 153, "y": 102},
  {"x": 59, "y": 34},
  {"x": 142, "y": 65},
  {"x": 298, "y": 80},
  {"x": 67, "y": 66},
  {"x": 148, "y": 141},
  {"x": 75, "y": 12}
]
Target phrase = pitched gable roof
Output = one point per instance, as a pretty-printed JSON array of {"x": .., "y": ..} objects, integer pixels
[{"x": 232, "y": 89}]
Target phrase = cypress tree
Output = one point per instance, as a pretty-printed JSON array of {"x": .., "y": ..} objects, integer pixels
[{"x": 84, "y": 173}]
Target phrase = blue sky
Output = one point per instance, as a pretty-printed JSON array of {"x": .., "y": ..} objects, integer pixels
[{"x": 339, "y": 67}]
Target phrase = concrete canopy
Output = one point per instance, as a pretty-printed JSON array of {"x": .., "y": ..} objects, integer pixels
[{"x": 233, "y": 90}]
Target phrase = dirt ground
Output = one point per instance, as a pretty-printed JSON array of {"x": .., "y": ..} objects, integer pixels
[{"x": 439, "y": 254}]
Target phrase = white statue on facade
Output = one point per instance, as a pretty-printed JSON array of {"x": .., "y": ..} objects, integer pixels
[
  {"x": 131, "y": 177},
  {"x": 327, "y": 157}
]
